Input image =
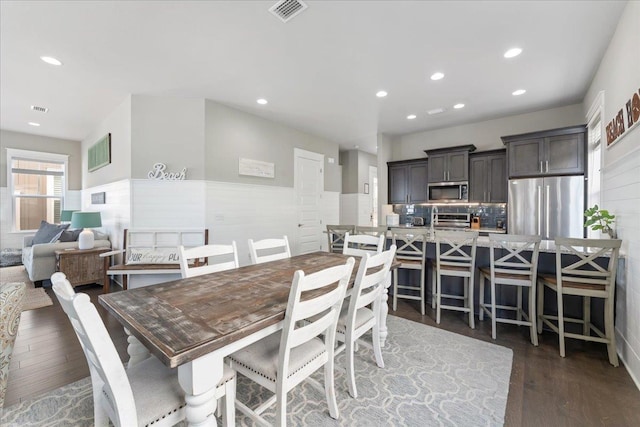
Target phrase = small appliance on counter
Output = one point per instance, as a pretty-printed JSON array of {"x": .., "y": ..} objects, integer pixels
[
  {"x": 393, "y": 219},
  {"x": 500, "y": 224},
  {"x": 417, "y": 221},
  {"x": 451, "y": 221}
]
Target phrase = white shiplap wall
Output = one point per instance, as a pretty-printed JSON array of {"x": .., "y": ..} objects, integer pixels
[{"x": 621, "y": 194}]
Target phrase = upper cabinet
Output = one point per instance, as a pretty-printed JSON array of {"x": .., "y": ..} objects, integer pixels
[
  {"x": 450, "y": 164},
  {"x": 488, "y": 177},
  {"x": 550, "y": 152},
  {"x": 408, "y": 181}
]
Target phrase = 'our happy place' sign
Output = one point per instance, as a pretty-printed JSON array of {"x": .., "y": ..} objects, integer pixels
[{"x": 616, "y": 127}]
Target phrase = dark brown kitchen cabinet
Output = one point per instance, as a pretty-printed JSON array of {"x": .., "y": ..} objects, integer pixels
[
  {"x": 551, "y": 152},
  {"x": 488, "y": 177},
  {"x": 407, "y": 182},
  {"x": 449, "y": 164}
]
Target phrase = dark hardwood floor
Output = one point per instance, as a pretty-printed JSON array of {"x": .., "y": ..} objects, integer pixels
[{"x": 545, "y": 389}]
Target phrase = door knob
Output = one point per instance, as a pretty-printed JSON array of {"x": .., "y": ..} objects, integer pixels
[{"x": 300, "y": 225}]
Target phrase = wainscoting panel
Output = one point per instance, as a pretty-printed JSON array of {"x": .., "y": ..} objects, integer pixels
[
  {"x": 167, "y": 204},
  {"x": 241, "y": 212},
  {"x": 8, "y": 238},
  {"x": 621, "y": 194}
]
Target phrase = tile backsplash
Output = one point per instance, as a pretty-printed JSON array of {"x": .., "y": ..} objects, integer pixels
[{"x": 489, "y": 213}]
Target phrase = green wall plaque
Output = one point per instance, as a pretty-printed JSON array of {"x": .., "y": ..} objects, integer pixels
[{"x": 100, "y": 153}]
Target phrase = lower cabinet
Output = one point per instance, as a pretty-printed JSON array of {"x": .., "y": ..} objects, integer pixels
[{"x": 488, "y": 177}]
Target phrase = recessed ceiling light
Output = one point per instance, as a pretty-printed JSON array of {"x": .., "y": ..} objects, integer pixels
[
  {"x": 513, "y": 52},
  {"x": 458, "y": 106},
  {"x": 381, "y": 94},
  {"x": 437, "y": 76},
  {"x": 435, "y": 111},
  {"x": 34, "y": 124},
  {"x": 356, "y": 146},
  {"x": 262, "y": 101},
  {"x": 411, "y": 116},
  {"x": 51, "y": 60},
  {"x": 518, "y": 92}
]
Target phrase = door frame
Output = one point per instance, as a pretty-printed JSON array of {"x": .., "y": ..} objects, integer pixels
[{"x": 297, "y": 154}]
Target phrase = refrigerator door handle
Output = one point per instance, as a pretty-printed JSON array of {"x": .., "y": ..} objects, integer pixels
[
  {"x": 539, "y": 191},
  {"x": 547, "y": 210}
]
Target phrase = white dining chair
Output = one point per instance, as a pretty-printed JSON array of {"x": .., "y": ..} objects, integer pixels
[
  {"x": 216, "y": 258},
  {"x": 453, "y": 261},
  {"x": 356, "y": 318},
  {"x": 584, "y": 278},
  {"x": 360, "y": 244},
  {"x": 267, "y": 250},
  {"x": 146, "y": 394},
  {"x": 284, "y": 359},
  {"x": 513, "y": 262}
]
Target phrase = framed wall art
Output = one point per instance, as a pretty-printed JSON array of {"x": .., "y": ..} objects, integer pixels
[{"x": 99, "y": 154}]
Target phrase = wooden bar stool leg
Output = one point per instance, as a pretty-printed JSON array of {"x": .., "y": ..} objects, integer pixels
[
  {"x": 532, "y": 315},
  {"x": 438, "y": 298},
  {"x": 433, "y": 287},
  {"x": 609, "y": 331},
  {"x": 395, "y": 289},
  {"x": 519, "y": 310},
  {"x": 472, "y": 318},
  {"x": 493, "y": 310},
  {"x": 423, "y": 300},
  {"x": 560, "y": 321}
]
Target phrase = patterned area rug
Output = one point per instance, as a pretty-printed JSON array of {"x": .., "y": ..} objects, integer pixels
[
  {"x": 35, "y": 297},
  {"x": 431, "y": 378}
]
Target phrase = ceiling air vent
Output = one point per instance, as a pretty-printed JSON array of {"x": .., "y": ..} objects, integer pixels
[
  {"x": 287, "y": 9},
  {"x": 39, "y": 109}
]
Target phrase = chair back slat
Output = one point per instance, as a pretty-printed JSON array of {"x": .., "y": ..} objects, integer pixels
[
  {"x": 516, "y": 261},
  {"x": 216, "y": 257},
  {"x": 586, "y": 270},
  {"x": 333, "y": 282},
  {"x": 370, "y": 280},
  {"x": 372, "y": 231},
  {"x": 360, "y": 244},
  {"x": 104, "y": 363},
  {"x": 266, "y": 250},
  {"x": 411, "y": 244},
  {"x": 335, "y": 234}
]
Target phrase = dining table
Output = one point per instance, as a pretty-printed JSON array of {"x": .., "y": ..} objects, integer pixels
[{"x": 194, "y": 323}]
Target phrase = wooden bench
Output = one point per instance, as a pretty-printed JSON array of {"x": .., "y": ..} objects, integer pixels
[{"x": 151, "y": 251}]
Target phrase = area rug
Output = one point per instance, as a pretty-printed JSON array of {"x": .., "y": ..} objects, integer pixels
[
  {"x": 35, "y": 297},
  {"x": 431, "y": 378}
]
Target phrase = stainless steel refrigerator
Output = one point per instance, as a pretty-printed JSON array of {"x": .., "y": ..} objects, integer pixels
[{"x": 551, "y": 207}]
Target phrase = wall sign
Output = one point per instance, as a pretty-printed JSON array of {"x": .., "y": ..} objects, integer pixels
[
  {"x": 616, "y": 127},
  {"x": 158, "y": 173},
  {"x": 256, "y": 168},
  {"x": 98, "y": 198}
]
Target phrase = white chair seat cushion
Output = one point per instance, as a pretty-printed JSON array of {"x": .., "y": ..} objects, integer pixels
[
  {"x": 262, "y": 357},
  {"x": 156, "y": 386},
  {"x": 363, "y": 315}
]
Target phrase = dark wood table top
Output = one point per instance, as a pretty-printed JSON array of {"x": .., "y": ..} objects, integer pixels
[{"x": 181, "y": 320}]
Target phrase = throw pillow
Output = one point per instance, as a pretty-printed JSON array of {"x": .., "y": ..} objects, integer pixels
[
  {"x": 70, "y": 235},
  {"x": 48, "y": 233}
]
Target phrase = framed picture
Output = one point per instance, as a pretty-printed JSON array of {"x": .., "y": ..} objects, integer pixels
[
  {"x": 366, "y": 188},
  {"x": 99, "y": 154}
]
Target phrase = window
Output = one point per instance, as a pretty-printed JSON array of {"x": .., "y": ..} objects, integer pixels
[
  {"x": 594, "y": 129},
  {"x": 37, "y": 182}
]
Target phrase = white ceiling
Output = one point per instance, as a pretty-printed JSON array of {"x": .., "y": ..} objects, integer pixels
[{"x": 319, "y": 71}]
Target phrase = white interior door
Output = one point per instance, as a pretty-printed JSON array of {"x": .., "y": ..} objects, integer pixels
[
  {"x": 373, "y": 193},
  {"x": 309, "y": 186}
]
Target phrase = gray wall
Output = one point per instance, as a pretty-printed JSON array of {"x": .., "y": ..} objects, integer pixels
[
  {"x": 231, "y": 134},
  {"x": 485, "y": 135},
  {"x": 25, "y": 141},
  {"x": 167, "y": 130},
  {"x": 355, "y": 170},
  {"x": 118, "y": 123}
]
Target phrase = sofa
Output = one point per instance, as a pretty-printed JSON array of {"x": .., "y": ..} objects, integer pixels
[{"x": 40, "y": 259}]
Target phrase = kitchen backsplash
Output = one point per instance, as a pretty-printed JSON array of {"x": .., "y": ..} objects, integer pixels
[{"x": 489, "y": 214}]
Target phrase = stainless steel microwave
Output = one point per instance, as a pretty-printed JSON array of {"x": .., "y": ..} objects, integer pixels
[{"x": 449, "y": 191}]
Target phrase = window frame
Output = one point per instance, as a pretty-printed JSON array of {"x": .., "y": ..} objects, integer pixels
[
  {"x": 39, "y": 156},
  {"x": 595, "y": 115}
]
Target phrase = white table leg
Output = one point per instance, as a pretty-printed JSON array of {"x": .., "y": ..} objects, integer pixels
[
  {"x": 199, "y": 379},
  {"x": 384, "y": 310},
  {"x": 137, "y": 352}
]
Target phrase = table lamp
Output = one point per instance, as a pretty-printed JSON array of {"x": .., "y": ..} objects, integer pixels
[
  {"x": 85, "y": 220},
  {"x": 65, "y": 216}
]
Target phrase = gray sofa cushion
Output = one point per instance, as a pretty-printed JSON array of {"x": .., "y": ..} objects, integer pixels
[
  {"x": 70, "y": 235},
  {"x": 48, "y": 233}
]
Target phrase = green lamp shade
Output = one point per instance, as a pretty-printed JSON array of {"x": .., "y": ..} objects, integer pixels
[
  {"x": 85, "y": 220},
  {"x": 66, "y": 215}
]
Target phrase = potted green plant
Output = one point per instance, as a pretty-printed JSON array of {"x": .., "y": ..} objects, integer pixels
[{"x": 600, "y": 219}]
